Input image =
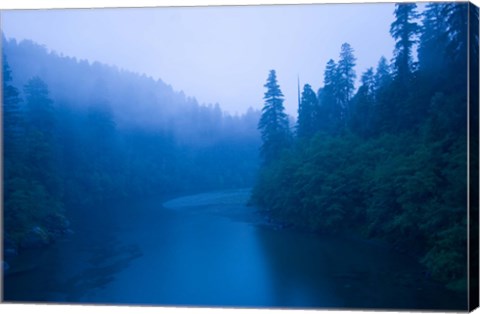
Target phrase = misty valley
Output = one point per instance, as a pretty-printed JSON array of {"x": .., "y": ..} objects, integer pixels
[{"x": 120, "y": 189}]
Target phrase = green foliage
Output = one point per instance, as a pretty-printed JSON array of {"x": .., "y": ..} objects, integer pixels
[
  {"x": 445, "y": 263},
  {"x": 398, "y": 169},
  {"x": 361, "y": 119},
  {"x": 396, "y": 187},
  {"x": 432, "y": 53},
  {"x": 66, "y": 153},
  {"x": 31, "y": 186},
  {"x": 404, "y": 30},
  {"x": 329, "y": 108},
  {"x": 335, "y": 97},
  {"x": 273, "y": 124},
  {"x": 308, "y": 113},
  {"x": 11, "y": 116},
  {"x": 346, "y": 79}
]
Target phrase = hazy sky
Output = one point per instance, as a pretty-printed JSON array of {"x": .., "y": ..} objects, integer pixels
[{"x": 216, "y": 54}]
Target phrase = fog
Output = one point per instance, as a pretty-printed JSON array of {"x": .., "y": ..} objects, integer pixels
[
  {"x": 215, "y": 54},
  {"x": 148, "y": 157}
]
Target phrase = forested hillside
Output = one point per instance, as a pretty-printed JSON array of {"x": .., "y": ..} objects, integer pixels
[
  {"x": 388, "y": 160},
  {"x": 79, "y": 133}
]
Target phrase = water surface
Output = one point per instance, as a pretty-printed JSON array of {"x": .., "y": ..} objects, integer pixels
[{"x": 212, "y": 250}]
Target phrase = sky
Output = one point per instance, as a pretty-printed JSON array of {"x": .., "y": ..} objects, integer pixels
[{"x": 216, "y": 54}]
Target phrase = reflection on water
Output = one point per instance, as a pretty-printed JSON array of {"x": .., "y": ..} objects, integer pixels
[
  {"x": 211, "y": 250},
  {"x": 68, "y": 271},
  {"x": 330, "y": 272}
]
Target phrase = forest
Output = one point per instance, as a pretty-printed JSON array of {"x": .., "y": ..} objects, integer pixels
[
  {"x": 385, "y": 159},
  {"x": 388, "y": 160},
  {"x": 77, "y": 134}
]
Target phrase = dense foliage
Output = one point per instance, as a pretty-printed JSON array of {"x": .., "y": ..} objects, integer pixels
[
  {"x": 78, "y": 134},
  {"x": 389, "y": 161}
]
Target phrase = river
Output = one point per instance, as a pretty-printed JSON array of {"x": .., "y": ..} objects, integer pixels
[{"x": 212, "y": 250}]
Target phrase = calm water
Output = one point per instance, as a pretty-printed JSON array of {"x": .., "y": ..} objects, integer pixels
[{"x": 211, "y": 250}]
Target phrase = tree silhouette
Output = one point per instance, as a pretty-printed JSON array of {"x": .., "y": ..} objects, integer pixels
[
  {"x": 273, "y": 124},
  {"x": 308, "y": 114},
  {"x": 404, "y": 30}
]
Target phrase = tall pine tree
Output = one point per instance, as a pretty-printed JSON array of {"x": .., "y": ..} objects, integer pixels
[
  {"x": 432, "y": 56},
  {"x": 404, "y": 30},
  {"x": 363, "y": 105},
  {"x": 273, "y": 124},
  {"x": 307, "y": 123},
  {"x": 329, "y": 108},
  {"x": 384, "y": 114},
  {"x": 346, "y": 80},
  {"x": 12, "y": 116},
  {"x": 41, "y": 153}
]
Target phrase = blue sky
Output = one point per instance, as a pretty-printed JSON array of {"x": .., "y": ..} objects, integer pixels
[{"x": 216, "y": 54}]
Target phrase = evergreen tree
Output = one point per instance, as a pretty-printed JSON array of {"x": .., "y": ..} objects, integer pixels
[
  {"x": 383, "y": 115},
  {"x": 41, "y": 150},
  {"x": 329, "y": 108},
  {"x": 273, "y": 124},
  {"x": 39, "y": 106},
  {"x": 401, "y": 173},
  {"x": 432, "y": 73},
  {"x": 330, "y": 78},
  {"x": 433, "y": 41},
  {"x": 346, "y": 80},
  {"x": 14, "y": 186},
  {"x": 363, "y": 105},
  {"x": 382, "y": 74},
  {"x": 12, "y": 115},
  {"x": 307, "y": 123},
  {"x": 456, "y": 15},
  {"x": 100, "y": 153},
  {"x": 404, "y": 30}
]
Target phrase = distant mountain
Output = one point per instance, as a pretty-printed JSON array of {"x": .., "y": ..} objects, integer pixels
[
  {"x": 136, "y": 101},
  {"x": 159, "y": 133}
]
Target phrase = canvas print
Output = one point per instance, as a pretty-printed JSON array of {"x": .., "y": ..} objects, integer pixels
[{"x": 317, "y": 156}]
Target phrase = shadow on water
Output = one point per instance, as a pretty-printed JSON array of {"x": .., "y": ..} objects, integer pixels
[
  {"x": 70, "y": 270},
  {"x": 105, "y": 263},
  {"x": 334, "y": 272}
]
